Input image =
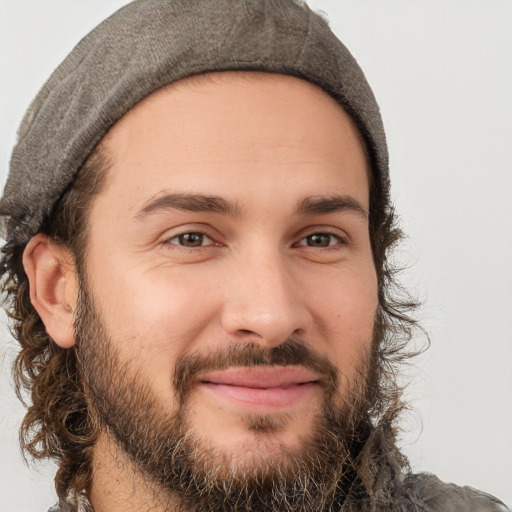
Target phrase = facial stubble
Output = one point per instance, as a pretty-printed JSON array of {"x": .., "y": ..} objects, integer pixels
[{"x": 190, "y": 472}]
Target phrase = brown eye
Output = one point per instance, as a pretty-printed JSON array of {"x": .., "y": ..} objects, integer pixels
[
  {"x": 320, "y": 240},
  {"x": 191, "y": 240}
]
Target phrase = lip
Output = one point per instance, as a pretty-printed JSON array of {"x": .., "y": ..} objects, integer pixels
[{"x": 262, "y": 387}]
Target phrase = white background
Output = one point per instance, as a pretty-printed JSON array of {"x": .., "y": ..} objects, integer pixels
[{"x": 442, "y": 72}]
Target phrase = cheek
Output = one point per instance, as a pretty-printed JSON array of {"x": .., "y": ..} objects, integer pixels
[
  {"x": 154, "y": 318},
  {"x": 345, "y": 315}
]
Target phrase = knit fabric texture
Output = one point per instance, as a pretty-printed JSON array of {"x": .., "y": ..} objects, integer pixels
[{"x": 150, "y": 43}]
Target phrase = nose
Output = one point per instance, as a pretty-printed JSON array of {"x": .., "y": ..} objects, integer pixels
[{"x": 264, "y": 303}]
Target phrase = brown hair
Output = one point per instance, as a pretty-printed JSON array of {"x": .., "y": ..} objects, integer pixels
[{"x": 59, "y": 424}]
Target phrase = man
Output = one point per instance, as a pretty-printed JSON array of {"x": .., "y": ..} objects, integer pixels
[{"x": 197, "y": 221}]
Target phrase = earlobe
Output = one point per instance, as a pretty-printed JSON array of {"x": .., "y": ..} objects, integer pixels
[{"x": 52, "y": 279}]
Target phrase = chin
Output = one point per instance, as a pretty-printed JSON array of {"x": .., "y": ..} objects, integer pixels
[
  {"x": 263, "y": 441},
  {"x": 253, "y": 457}
]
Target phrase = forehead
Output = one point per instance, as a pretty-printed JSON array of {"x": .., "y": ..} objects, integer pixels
[{"x": 239, "y": 127}]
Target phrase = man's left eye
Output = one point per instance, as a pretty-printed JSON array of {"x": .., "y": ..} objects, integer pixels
[
  {"x": 320, "y": 240},
  {"x": 191, "y": 240}
]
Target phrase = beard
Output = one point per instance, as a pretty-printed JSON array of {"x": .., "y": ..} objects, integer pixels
[{"x": 188, "y": 473}]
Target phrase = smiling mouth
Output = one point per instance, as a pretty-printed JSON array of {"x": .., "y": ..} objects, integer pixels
[{"x": 262, "y": 387}]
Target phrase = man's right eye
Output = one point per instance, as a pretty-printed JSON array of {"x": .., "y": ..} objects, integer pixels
[{"x": 192, "y": 239}]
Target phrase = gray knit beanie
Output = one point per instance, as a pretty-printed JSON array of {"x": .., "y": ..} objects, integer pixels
[{"x": 150, "y": 43}]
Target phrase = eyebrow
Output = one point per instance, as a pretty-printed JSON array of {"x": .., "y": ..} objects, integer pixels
[
  {"x": 189, "y": 203},
  {"x": 331, "y": 204},
  {"x": 214, "y": 204}
]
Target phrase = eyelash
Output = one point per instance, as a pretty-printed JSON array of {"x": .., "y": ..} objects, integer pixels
[
  {"x": 339, "y": 240},
  {"x": 331, "y": 246},
  {"x": 199, "y": 233}
]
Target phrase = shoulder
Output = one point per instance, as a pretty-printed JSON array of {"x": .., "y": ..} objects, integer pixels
[{"x": 429, "y": 494}]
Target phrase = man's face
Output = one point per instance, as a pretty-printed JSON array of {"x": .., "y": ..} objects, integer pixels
[{"x": 233, "y": 224}]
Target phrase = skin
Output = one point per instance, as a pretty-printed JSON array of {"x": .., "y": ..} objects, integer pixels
[{"x": 265, "y": 270}]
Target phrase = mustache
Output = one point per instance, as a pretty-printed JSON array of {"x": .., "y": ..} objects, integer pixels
[{"x": 190, "y": 367}]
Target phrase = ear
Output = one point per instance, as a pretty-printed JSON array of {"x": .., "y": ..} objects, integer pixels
[{"x": 53, "y": 285}]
